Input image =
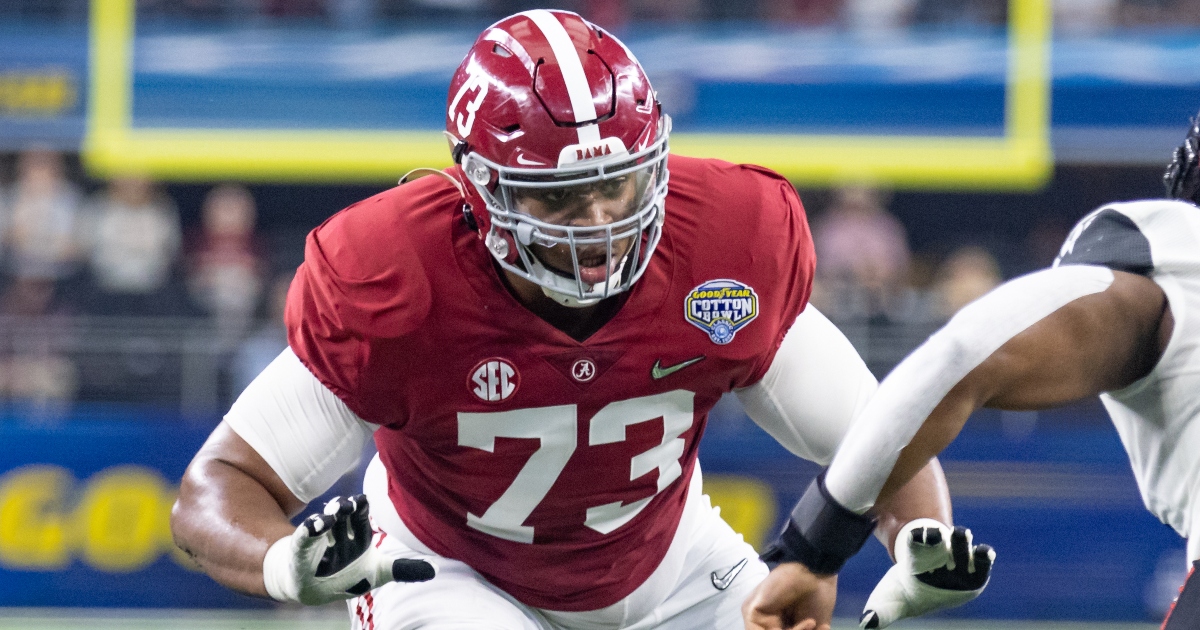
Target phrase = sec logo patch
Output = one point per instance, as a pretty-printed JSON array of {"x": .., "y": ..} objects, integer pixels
[
  {"x": 494, "y": 380},
  {"x": 721, "y": 308}
]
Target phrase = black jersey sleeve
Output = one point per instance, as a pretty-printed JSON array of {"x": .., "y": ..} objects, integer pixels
[{"x": 1109, "y": 239}]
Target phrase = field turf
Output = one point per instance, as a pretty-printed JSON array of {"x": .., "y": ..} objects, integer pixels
[{"x": 334, "y": 618}]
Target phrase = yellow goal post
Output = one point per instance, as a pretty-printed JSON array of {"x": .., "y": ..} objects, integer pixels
[{"x": 1020, "y": 159}]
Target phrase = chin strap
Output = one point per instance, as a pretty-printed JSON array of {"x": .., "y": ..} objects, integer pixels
[
  {"x": 404, "y": 179},
  {"x": 569, "y": 301},
  {"x": 572, "y": 301},
  {"x": 427, "y": 171}
]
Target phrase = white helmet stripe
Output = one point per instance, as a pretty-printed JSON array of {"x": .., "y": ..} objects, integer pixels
[{"x": 572, "y": 72}]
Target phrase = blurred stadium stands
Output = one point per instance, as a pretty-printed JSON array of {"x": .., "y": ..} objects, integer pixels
[{"x": 133, "y": 308}]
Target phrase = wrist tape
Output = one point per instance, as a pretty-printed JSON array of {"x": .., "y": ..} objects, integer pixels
[{"x": 821, "y": 534}]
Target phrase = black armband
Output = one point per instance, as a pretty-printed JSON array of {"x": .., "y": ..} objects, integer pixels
[{"x": 821, "y": 534}]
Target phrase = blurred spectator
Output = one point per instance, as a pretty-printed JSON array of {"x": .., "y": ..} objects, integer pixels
[
  {"x": 1043, "y": 242},
  {"x": 871, "y": 16},
  {"x": 452, "y": 5},
  {"x": 962, "y": 12},
  {"x": 352, "y": 13},
  {"x": 4, "y": 219},
  {"x": 615, "y": 14},
  {"x": 803, "y": 12},
  {"x": 967, "y": 274},
  {"x": 875, "y": 17},
  {"x": 1185, "y": 12},
  {"x": 1085, "y": 17},
  {"x": 133, "y": 237},
  {"x": 199, "y": 9},
  {"x": 293, "y": 8},
  {"x": 1170, "y": 13},
  {"x": 667, "y": 10},
  {"x": 611, "y": 14},
  {"x": 45, "y": 9},
  {"x": 225, "y": 271},
  {"x": 31, "y": 368},
  {"x": 1138, "y": 13},
  {"x": 445, "y": 10},
  {"x": 862, "y": 254},
  {"x": 42, "y": 218},
  {"x": 265, "y": 343}
]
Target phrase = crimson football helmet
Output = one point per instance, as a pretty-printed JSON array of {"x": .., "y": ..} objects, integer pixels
[{"x": 550, "y": 107}]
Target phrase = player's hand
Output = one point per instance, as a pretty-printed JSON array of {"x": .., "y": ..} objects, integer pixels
[
  {"x": 935, "y": 568},
  {"x": 331, "y": 557},
  {"x": 791, "y": 598},
  {"x": 1182, "y": 177}
]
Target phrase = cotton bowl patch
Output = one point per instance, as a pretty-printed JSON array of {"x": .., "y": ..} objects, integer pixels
[{"x": 721, "y": 308}]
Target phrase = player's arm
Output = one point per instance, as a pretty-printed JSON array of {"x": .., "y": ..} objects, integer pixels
[
  {"x": 232, "y": 506},
  {"x": 1044, "y": 339},
  {"x": 1069, "y": 332},
  {"x": 1108, "y": 332},
  {"x": 1102, "y": 337},
  {"x": 286, "y": 440},
  {"x": 816, "y": 386},
  {"x": 234, "y": 501}
]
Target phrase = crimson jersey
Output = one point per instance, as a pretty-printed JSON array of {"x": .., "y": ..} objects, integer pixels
[{"x": 556, "y": 468}]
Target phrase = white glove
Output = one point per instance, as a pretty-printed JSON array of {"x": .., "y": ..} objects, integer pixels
[
  {"x": 331, "y": 557},
  {"x": 934, "y": 569}
]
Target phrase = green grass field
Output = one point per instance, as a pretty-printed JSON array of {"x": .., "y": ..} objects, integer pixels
[{"x": 334, "y": 618}]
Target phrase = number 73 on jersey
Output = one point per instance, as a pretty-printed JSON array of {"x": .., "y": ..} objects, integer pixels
[{"x": 556, "y": 429}]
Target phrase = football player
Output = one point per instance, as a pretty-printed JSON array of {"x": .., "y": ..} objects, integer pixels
[
  {"x": 533, "y": 338},
  {"x": 1116, "y": 315}
]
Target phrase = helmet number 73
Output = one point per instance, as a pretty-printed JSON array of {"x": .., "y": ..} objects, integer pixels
[{"x": 555, "y": 428}]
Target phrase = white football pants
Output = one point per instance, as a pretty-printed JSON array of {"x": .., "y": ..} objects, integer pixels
[{"x": 681, "y": 594}]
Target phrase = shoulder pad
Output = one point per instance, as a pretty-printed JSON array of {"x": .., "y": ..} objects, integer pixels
[{"x": 1109, "y": 239}]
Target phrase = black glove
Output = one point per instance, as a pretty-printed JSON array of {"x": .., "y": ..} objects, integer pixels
[
  {"x": 1182, "y": 178},
  {"x": 936, "y": 568},
  {"x": 331, "y": 556}
]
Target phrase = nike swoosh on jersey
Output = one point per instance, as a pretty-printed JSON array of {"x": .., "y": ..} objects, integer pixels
[
  {"x": 658, "y": 371},
  {"x": 722, "y": 582}
]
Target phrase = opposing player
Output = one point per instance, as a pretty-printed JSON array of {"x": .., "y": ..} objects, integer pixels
[
  {"x": 1116, "y": 315},
  {"x": 534, "y": 338}
]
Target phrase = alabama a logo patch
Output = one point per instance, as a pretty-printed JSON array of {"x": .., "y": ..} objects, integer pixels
[{"x": 721, "y": 308}]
